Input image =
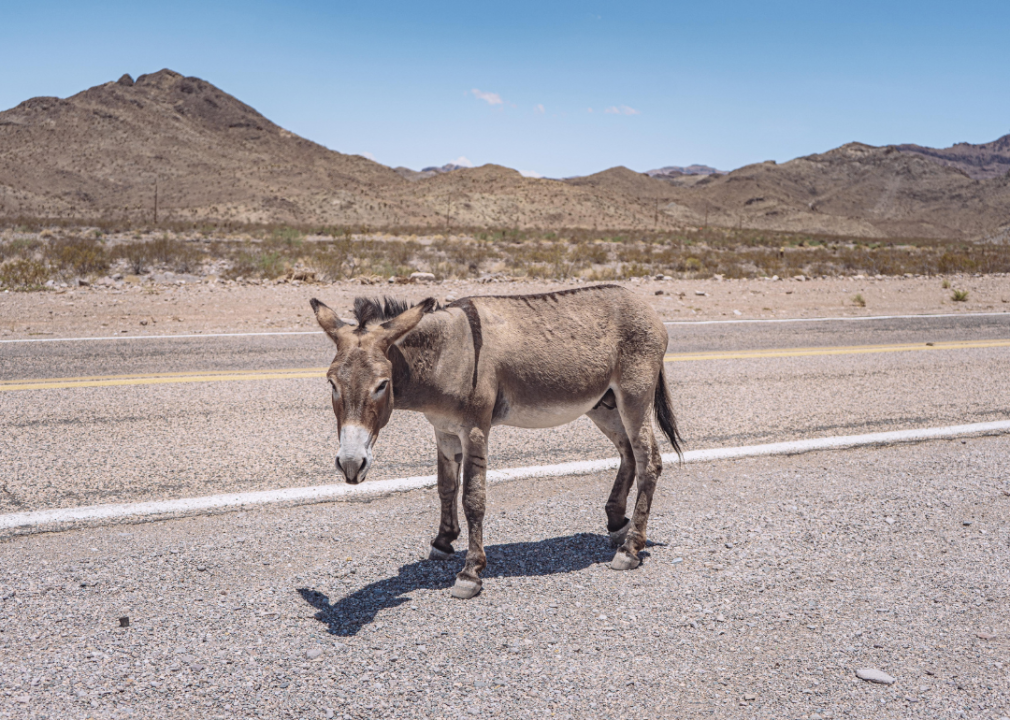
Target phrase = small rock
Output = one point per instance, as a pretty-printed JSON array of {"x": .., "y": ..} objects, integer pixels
[
  {"x": 313, "y": 653},
  {"x": 966, "y": 523},
  {"x": 124, "y": 621},
  {"x": 327, "y": 713},
  {"x": 874, "y": 676},
  {"x": 479, "y": 684},
  {"x": 201, "y": 568},
  {"x": 737, "y": 312},
  {"x": 143, "y": 322},
  {"x": 422, "y": 277},
  {"x": 750, "y": 698},
  {"x": 659, "y": 292},
  {"x": 985, "y": 636},
  {"x": 701, "y": 293},
  {"x": 889, "y": 520}
]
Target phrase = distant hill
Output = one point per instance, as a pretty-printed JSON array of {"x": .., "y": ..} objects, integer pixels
[
  {"x": 101, "y": 153},
  {"x": 671, "y": 171},
  {"x": 980, "y": 162},
  {"x": 855, "y": 189}
]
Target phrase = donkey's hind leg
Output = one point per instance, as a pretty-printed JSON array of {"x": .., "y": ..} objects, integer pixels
[
  {"x": 450, "y": 455},
  {"x": 608, "y": 420},
  {"x": 636, "y": 413}
]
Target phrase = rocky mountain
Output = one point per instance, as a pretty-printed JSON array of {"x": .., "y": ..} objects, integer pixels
[
  {"x": 107, "y": 151},
  {"x": 102, "y": 151},
  {"x": 671, "y": 171},
  {"x": 427, "y": 172},
  {"x": 855, "y": 189},
  {"x": 980, "y": 162}
]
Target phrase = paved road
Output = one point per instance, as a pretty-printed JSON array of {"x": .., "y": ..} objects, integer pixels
[{"x": 76, "y": 446}]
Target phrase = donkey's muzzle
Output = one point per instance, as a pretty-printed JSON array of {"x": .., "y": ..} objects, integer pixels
[
  {"x": 352, "y": 468},
  {"x": 355, "y": 454}
]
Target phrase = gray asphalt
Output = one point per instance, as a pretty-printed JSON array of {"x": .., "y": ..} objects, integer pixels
[{"x": 78, "y": 446}]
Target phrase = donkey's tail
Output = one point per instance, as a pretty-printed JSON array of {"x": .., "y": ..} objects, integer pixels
[{"x": 664, "y": 414}]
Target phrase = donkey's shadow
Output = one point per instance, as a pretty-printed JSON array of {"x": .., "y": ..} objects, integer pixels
[{"x": 552, "y": 556}]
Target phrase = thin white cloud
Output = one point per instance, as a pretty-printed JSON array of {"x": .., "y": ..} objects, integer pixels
[
  {"x": 539, "y": 109},
  {"x": 489, "y": 97},
  {"x": 589, "y": 109},
  {"x": 462, "y": 161},
  {"x": 621, "y": 110},
  {"x": 368, "y": 155},
  {"x": 530, "y": 174}
]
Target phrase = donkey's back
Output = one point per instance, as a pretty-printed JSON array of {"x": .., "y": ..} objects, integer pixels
[{"x": 546, "y": 359}]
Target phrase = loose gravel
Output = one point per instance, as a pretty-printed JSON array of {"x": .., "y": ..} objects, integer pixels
[{"x": 769, "y": 582}]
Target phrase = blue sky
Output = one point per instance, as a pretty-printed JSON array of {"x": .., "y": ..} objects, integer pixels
[{"x": 671, "y": 83}]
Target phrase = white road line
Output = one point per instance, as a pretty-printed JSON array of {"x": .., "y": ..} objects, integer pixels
[
  {"x": 669, "y": 322},
  {"x": 831, "y": 319},
  {"x": 163, "y": 337},
  {"x": 47, "y": 520}
]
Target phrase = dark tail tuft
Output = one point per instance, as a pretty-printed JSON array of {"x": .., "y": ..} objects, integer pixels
[{"x": 664, "y": 414}]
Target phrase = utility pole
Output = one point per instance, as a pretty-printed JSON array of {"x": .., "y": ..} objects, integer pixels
[
  {"x": 156, "y": 201},
  {"x": 448, "y": 205}
]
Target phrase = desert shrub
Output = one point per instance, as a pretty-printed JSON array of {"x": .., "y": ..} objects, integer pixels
[
  {"x": 137, "y": 256},
  {"x": 859, "y": 300},
  {"x": 288, "y": 236},
  {"x": 959, "y": 296},
  {"x": 78, "y": 255},
  {"x": 23, "y": 274},
  {"x": 585, "y": 253},
  {"x": 258, "y": 263},
  {"x": 22, "y": 247},
  {"x": 173, "y": 254}
]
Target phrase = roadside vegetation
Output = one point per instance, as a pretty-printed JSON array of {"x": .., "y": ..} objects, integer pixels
[{"x": 34, "y": 254}]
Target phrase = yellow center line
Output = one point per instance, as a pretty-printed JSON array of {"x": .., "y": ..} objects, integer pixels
[
  {"x": 297, "y": 373},
  {"x": 160, "y": 379},
  {"x": 847, "y": 350}
]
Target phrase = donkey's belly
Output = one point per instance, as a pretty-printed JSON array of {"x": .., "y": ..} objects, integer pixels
[{"x": 543, "y": 416}]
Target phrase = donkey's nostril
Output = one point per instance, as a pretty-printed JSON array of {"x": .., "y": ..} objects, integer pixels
[{"x": 339, "y": 466}]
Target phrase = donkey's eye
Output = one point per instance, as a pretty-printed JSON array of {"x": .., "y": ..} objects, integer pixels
[
  {"x": 333, "y": 388},
  {"x": 381, "y": 388}
]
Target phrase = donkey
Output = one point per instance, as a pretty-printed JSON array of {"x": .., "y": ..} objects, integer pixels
[{"x": 531, "y": 361}]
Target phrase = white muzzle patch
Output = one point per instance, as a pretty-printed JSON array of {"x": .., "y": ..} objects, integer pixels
[{"x": 355, "y": 456}]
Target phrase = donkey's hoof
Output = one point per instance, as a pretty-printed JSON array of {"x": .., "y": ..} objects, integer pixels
[
  {"x": 623, "y": 561},
  {"x": 617, "y": 537},
  {"x": 437, "y": 554},
  {"x": 465, "y": 589}
]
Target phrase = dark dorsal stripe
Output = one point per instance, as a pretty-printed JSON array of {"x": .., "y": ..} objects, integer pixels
[{"x": 472, "y": 317}]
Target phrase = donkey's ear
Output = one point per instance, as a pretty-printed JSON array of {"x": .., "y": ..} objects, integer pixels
[
  {"x": 393, "y": 330},
  {"x": 327, "y": 319}
]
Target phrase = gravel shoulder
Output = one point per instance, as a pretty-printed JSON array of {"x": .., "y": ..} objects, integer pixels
[
  {"x": 769, "y": 582},
  {"x": 227, "y": 307}
]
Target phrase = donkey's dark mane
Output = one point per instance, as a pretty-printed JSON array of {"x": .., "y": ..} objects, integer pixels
[{"x": 376, "y": 310}]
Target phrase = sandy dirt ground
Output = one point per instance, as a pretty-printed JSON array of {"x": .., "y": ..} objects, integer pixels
[{"x": 137, "y": 308}]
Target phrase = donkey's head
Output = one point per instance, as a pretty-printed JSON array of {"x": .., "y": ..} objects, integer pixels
[{"x": 361, "y": 375}]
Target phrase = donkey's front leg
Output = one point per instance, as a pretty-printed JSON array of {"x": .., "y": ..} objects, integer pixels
[
  {"x": 468, "y": 581},
  {"x": 450, "y": 453}
]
